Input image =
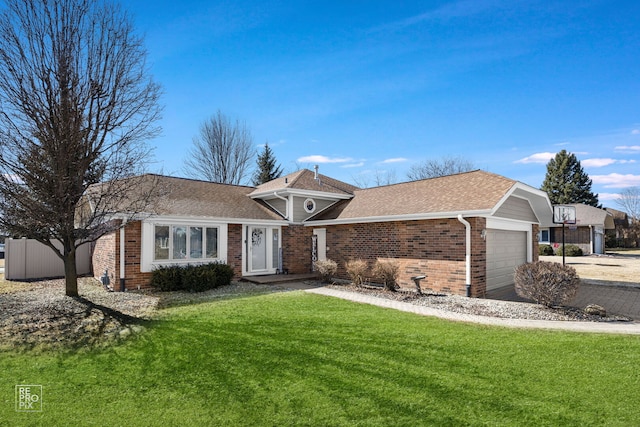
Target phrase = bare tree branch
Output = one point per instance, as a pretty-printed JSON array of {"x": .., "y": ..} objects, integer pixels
[
  {"x": 76, "y": 107},
  {"x": 222, "y": 152},
  {"x": 442, "y": 167}
]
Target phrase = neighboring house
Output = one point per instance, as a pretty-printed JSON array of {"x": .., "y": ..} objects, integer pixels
[
  {"x": 588, "y": 232},
  {"x": 622, "y": 235},
  {"x": 465, "y": 232}
]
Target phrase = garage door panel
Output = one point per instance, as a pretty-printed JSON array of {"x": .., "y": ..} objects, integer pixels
[{"x": 505, "y": 251}]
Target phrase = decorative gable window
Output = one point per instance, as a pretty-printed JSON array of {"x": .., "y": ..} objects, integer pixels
[
  {"x": 185, "y": 242},
  {"x": 309, "y": 205}
]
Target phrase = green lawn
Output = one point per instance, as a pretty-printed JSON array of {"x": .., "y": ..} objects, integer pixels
[{"x": 300, "y": 359}]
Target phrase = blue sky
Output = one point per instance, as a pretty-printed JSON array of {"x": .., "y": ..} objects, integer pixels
[{"x": 373, "y": 87}]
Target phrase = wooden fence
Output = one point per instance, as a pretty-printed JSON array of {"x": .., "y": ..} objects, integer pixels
[{"x": 28, "y": 259}]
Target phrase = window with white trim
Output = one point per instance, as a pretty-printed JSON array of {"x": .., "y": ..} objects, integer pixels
[
  {"x": 309, "y": 205},
  {"x": 185, "y": 242},
  {"x": 544, "y": 236}
]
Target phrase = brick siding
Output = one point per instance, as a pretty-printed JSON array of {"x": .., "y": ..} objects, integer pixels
[
  {"x": 234, "y": 248},
  {"x": 434, "y": 248},
  {"x": 104, "y": 257},
  {"x": 296, "y": 249}
]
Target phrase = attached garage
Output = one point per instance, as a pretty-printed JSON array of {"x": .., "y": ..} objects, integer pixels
[{"x": 506, "y": 249}]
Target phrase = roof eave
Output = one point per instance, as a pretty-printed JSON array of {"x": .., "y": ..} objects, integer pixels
[
  {"x": 408, "y": 217},
  {"x": 303, "y": 193}
]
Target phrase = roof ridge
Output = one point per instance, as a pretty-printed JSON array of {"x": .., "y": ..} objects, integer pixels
[
  {"x": 433, "y": 178},
  {"x": 299, "y": 173},
  {"x": 204, "y": 181}
]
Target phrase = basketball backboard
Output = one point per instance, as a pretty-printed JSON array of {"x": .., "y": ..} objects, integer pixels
[{"x": 564, "y": 214}]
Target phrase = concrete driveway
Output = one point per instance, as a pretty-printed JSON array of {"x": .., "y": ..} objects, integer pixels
[{"x": 612, "y": 281}]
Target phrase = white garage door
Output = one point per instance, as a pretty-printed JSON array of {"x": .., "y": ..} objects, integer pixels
[{"x": 505, "y": 251}]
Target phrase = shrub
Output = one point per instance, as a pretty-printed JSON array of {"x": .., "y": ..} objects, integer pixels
[
  {"x": 388, "y": 271},
  {"x": 197, "y": 279},
  {"x": 357, "y": 269},
  {"x": 569, "y": 250},
  {"x": 167, "y": 279},
  {"x": 327, "y": 269},
  {"x": 547, "y": 283},
  {"x": 545, "y": 249},
  {"x": 192, "y": 278}
]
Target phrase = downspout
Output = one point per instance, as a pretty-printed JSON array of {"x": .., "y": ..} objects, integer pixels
[
  {"x": 286, "y": 204},
  {"x": 467, "y": 252},
  {"x": 122, "y": 258}
]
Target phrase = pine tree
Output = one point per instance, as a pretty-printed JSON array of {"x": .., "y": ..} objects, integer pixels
[
  {"x": 566, "y": 181},
  {"x": 267, "y": 169}
]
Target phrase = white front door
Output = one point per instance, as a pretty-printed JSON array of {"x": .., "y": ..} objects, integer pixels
[
  {"x": 257, "y": 245},
  {"x": 262, "y": 249}
]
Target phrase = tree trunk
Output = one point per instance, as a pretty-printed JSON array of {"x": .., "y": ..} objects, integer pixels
[{"x": 70, "y": 272}]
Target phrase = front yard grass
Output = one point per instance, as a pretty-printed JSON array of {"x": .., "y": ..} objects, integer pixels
[{"x": 300, "y": 359}]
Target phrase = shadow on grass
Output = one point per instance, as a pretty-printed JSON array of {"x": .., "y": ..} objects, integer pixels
[{"x": 181, "y": 299}]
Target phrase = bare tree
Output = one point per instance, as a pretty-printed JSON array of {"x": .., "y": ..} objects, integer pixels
[
  {"x": 629, "y": 201},
  {"x": 377, "y": 178},
  {"x": 76, "y": 107},
  {"x": 222, "y": 152},
  {"x": 442, "y": 167}
]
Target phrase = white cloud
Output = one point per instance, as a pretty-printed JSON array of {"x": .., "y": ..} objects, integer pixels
[
  {"x": 597, "y": 163},
  {"x": 537, "y": 158},
  {"x": 395, "y": 160},
  {"x": 316, "y": 158},
  {"x": 626, "y": 161},
  {"x": 616, "y": 180},
  {"x": 353, "y": 165},
  {"x": 635, "y": 132},
  {"x": 608, "y": 197},
  {"x": 628, "y": 148}
]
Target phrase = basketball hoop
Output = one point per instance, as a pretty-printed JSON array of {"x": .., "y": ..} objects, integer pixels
[{"x": 563, "y": 214}]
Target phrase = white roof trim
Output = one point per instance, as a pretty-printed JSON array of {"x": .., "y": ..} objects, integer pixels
[
  {"x": 174, "y": 219},
  {"x": 390, "y": 218},
  {"x": 303, "y": 193}
]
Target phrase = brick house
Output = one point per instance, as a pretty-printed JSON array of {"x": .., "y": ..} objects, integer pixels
[
  {"x": 588, "y": 233},
  {"x": 466, "y": 229}
]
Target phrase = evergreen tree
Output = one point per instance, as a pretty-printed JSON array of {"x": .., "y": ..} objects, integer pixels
[
  {"x": 566, "y": 181},
  {"x": 267, "y": 169}
]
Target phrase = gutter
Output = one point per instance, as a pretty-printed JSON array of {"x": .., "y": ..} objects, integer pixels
[
  {"x": 122, "y": 257},
  {"x": 286, "y": 204},
  {"x": 467, "y": 226}
]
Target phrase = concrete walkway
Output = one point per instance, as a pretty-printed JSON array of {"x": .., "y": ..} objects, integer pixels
[{"x": 575, "y": 326}]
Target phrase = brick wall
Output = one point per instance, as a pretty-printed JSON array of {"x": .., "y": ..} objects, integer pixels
[
  {"x": 435, "y": 248},
  {"x": 534, "y": 250},
  {"x": 134, "y": 278},
  {"x": 234, "y": 248},
  {"x": 104, "y": 257},
  {"x": 296, "y": 249}
]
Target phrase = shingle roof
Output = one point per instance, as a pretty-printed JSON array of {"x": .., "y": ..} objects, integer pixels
[
  {"x": 304, "y": 179},
  {"x": 465, "y": 192},
  {"x": 590, "y": 215},
  {"x": 188, "y": 197}
]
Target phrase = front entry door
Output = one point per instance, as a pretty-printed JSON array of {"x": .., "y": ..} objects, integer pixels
[
  {"x": 257, "y": 245},
  {"x": 262, "y": 250}
]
